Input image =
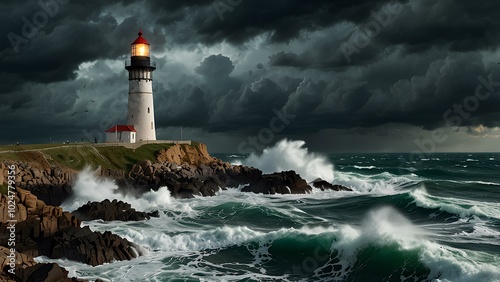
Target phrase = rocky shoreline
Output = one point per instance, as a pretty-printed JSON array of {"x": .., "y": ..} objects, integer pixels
[{"x": 43, "y": 228}]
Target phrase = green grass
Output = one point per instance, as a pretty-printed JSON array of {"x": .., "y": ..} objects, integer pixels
[
  {"x": 117, "y": 157},
  {"x": 79, "y": 157},
  {"x": 123, "y": 158},
  {"x": 8, "y": 156},
  {"x": 75, "y": 157},
  {"x": 31, "y": 146}
]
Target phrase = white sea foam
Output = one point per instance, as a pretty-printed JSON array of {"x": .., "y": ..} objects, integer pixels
[
  {"x": 386, "y": 226},
  {"x": 381, "y": 226},
  {"x": 460, "y": 207},
  {"x": 88, "y": 187},
  {"x": 365, "y": 167},
  {"x": 449, "y": 264},
  {"x": 292, "y": 155},
  {"x": 383, "y": 183}
]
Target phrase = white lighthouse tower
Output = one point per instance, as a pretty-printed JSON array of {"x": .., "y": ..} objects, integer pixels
[{"x": 141, "y": 113}]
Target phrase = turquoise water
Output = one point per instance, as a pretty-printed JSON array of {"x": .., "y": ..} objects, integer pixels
[{"x": 434, "y": 219}]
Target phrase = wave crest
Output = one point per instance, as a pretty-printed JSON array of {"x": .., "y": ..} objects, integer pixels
[{"x": 292, "y": 155}]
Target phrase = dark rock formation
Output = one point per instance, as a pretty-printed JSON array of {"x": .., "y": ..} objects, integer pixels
[
  {"x": 93, "y": 248},
  {"x": 187, "y": 181},
  {"x": 46, "y": 230},
  {"x": 240, "y": 175},
  {"x": 183, "y": 181},
  {"x": 52, "y": 185},
  {"x": 43, "y": 272},
  {"x": 324, "y": 185},
  {"x": 22, "y": 261},
  {"x": 111, "y": 210},
  {"x": 287, "y": 182}
]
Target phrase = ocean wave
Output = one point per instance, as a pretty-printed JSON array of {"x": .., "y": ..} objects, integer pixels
[
  {"x": 384, "y": 244},
  {"x": 292, "y": 155},
  {"x": 385, "y": 227},
  {"x": 382, "y": 183},
  {"x": 473, "y": 182},
  {"x": 459, "y": 207}
]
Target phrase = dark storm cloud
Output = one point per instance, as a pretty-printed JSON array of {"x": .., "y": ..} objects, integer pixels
[
  {"x": 425, "y": 58},
  {"x": 215, "y": 66},
  {"x": 457, "y": 26},
  {"x": 283, "y": 20},
  {"x": 74, "y": 33}
]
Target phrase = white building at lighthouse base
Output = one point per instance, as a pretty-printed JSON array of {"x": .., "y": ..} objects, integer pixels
[{"x": 121, "y": 133}]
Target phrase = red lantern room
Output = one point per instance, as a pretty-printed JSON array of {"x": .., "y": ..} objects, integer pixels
[
  {"x": 140, "y": 47},
  {"x": 140, "y": 65}
]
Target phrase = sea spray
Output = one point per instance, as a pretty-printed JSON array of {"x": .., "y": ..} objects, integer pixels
[
  {"x": 381, "y": 226},
  {"x": 292, "y": 155},
  {"x": 90, "y": 188}
]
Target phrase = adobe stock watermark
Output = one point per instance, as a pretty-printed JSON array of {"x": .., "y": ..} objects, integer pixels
[
  {"x": 454, "y": 116},
  {"x": 31, "y": 27},
  {"x": 363, "y": 36},
  {"x": 11, "y": 210},
  {"x": 265, "y": 136},
  {"x": 224, "y": 6}
]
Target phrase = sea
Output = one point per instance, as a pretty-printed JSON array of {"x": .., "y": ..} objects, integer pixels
[{"x": 411, "y": 217}]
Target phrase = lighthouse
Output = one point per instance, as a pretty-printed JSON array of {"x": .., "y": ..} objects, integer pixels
[{"x": 141, "y": 114}]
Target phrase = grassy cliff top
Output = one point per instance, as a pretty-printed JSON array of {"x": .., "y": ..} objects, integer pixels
[{"x": 78, "y": 156}]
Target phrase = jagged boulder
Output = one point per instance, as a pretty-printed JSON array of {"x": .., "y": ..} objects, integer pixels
[
  {"x": 93, "y": 248},
  {"x": 47, "y": 230},
  {"x": 239, "y": 175},
  {"x": 287, "y": 182},
  {"x": 43, "y": 272},
  {"x": 27, "y": 269},
  {"x": 109, "y": 211},
  {"x": 20, "y": 260},
  {"x": 52, "y": 185},
  {"x": 325, "y": 185}
]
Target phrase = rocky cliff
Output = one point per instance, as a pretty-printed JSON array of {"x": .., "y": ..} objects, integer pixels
[
  {"x": 46, "y": 230},
  {"x": 52, "y": 183},
  {"x": 180, "y": 154}
]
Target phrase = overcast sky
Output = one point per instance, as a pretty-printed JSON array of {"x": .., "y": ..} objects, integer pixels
[{"x": 240, "y": 75}]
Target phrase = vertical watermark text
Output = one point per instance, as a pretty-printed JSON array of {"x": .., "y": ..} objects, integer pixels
[{"x": 11, "y": 222}]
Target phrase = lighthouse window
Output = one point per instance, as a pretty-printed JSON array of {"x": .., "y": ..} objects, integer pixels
[
  {"x": 152, "y": 125},
  {"x": 149, "y": 110}
]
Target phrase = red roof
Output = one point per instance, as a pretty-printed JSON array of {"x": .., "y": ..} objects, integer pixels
[
  {"x": 140, "y": 39},
  {"x": 122, "y": 128}
]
